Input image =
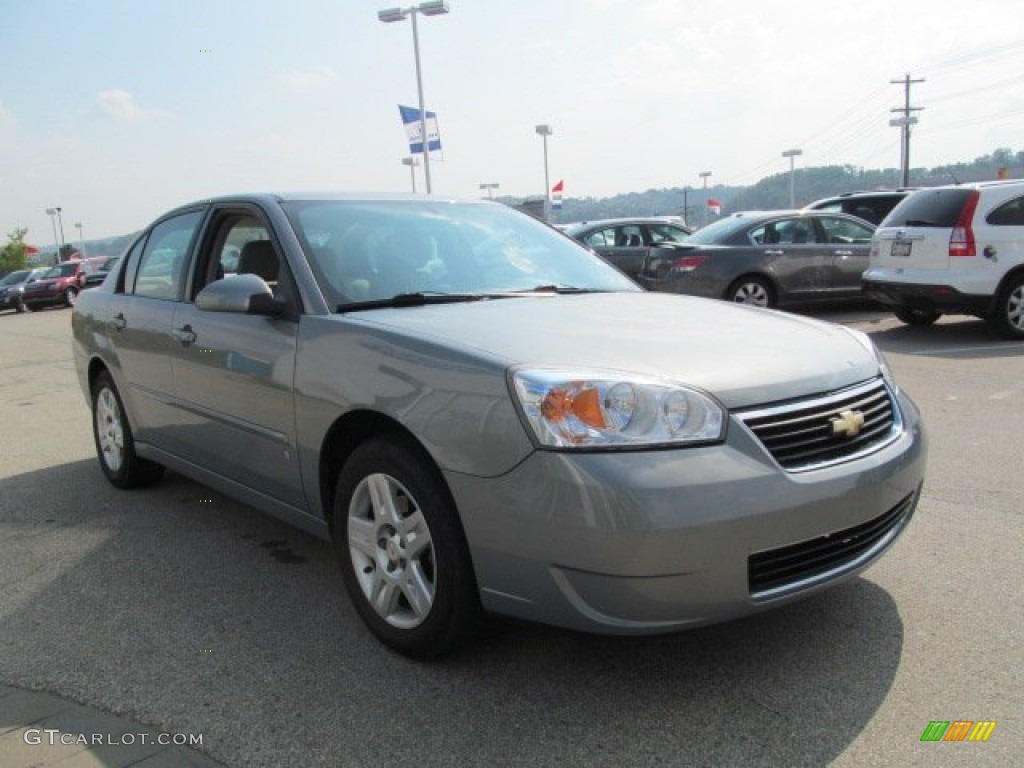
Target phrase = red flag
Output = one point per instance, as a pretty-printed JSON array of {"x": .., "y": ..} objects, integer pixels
[
  {"x": 715, "y": 207},
  {"x": 558, "y": 187}
]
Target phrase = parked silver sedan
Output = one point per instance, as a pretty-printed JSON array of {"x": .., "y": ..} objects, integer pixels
[
  {"x": 767, "y": 258},
  {"x": 483, "y": 416}
]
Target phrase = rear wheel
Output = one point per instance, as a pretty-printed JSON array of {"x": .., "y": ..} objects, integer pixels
[
  {"x": 916, "y": 315},
  {"x": 402, "y": 552},
  {"x": 70, "y": 295},
  {"x": 751, "y": 290},
  {"x": 21, "y": 306},
  {"x": 1007, "y": 316},
  {"x": 115, "y": 445}
]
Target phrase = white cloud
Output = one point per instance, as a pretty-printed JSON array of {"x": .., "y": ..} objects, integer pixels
[
  {"x": 306, "y": 80},
  {"x": 121, "y": 105}
]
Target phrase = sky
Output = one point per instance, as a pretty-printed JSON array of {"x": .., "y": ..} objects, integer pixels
[{"x": 117, "y": 111}]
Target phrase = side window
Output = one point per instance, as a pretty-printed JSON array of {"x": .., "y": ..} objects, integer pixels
[
  {"x": 161, "y": 267},
  {"x": 601, "y": 239},
  {"x": 127, "y": 282},
  {"x": 845, "y": 231},
  {"x": 633, "y": 235},
  {"x": 1009, "y": 214},
  {"x": 666, "y": 233}
]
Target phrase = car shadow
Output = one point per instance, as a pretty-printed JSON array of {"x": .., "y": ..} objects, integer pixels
[{"x": 190, "y": 611}]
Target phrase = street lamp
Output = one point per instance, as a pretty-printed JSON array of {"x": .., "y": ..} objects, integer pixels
[
  {"x": 544, "y": 131},
  {"x": 81, "y": 238},
  {"x": 412, "y": 163},
  {"x": 429, "y": 8},
  {"x": 52, "y": 213},
  {"x": 791, "y": 153},
  {"x": 490, "y": 186},
  {"x": 60, "y": 223},
  {"x": 704, "y": 175}
]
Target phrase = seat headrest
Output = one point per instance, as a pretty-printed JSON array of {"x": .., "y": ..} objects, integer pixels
[{"x": 258, "y": 258}]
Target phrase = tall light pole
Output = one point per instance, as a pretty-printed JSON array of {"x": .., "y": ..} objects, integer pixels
[
  {"x": 60, "y": 223},
  {"x": 792, "y": 153},
  {"x": 490, "y": 186},
  {"x": 429, "y": 8},
  {"x": 544, "y": 131},
  {"x": 81, "y": 238},
  {"x": 411, "y": 162},
  {"x": 52, "y": 213},
  {"x": 704, "y": 175}
]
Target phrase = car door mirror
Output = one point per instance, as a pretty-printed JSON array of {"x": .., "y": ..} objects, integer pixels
[{"x": 243, "y": 294}]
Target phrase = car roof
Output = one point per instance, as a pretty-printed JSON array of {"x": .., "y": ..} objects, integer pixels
[{"x": 597, "y": 223}]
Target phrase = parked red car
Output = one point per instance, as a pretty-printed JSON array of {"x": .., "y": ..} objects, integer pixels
[{"x": 60, "y": 284}]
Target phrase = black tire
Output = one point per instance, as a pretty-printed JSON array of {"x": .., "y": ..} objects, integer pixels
[
  {"x": 752, "y": 290},
  {"x": 1007, "y": 318},
  {"x": 115, "y": 445},
  {"x": 916, "y": 315},
  {"x": 70, "y": 296},
  {"x": 21, "y": 306},
  {"x": 409, "y": 553}
]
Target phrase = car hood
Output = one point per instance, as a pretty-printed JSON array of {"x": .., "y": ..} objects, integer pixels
[{"x": 743, "y": 355}]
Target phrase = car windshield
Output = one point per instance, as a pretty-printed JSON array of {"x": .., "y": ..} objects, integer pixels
[
  {"x": 15, "y": 277},
  {"x": 365, "y": 251},
  {"x": 718, "y": 231}
]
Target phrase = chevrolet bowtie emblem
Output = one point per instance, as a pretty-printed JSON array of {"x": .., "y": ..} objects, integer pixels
[{"x": 847, "y": 423}]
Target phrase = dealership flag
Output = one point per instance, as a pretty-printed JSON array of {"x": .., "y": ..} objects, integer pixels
[
  {"x": 715, "y": 207},
  {"x": 556, "y": 196},
  {"x": 411, "y": 120}
]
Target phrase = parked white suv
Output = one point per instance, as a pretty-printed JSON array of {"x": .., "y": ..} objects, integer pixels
[{"x": 957, "y": 249}]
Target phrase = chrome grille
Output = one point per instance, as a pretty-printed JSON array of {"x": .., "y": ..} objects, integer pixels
[
  {"x": 787, "y": 569},
  {"x": 808, "y": 434}
]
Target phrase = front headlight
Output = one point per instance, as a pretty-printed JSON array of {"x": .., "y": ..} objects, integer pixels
[
  {"x": 601, "y": 409},
  {"x": 883, "y": 364}
]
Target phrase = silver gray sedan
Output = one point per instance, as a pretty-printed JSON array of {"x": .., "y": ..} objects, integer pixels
[
  {"x": 767, "y": 258},
  {"x": 484, "y": 416}
]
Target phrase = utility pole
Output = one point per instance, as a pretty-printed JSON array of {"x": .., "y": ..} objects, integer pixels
[{"x": 904, "y": 122}]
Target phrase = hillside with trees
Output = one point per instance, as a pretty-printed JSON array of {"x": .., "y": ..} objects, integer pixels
[{"x": 772, "y": 192}]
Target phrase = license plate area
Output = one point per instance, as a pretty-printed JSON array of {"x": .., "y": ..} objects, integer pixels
[{"x": 900, "y": 249}]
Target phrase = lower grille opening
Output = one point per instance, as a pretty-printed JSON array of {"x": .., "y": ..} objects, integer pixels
[{"x": 776, "y": 569}]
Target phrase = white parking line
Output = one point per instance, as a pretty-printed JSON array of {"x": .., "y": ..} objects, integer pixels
[{"x": 956, "y": 350}]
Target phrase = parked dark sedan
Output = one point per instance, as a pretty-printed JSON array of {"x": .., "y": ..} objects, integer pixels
[
  {"x": 627, "y": 244},
  {"x": 12, "y": 288},
  {"x": 481, "y": 414},
  {"x": 766, "y": 258}
]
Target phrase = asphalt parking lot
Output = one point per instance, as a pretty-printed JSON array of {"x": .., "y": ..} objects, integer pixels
[{"x": 194, "y": 614}]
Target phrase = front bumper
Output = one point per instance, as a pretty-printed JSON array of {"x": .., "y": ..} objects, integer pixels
[{"x": 655, "y": 541}]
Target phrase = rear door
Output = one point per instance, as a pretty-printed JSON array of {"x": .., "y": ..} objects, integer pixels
[
  {"x": 141, "y": 313},
  {"x": 849, "y": 242}
]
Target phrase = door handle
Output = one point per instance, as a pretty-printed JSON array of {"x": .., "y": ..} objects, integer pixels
[
  {"x": 844, "y": 254},
  {"x": 119, "y": 323},
  {"x": 184, "y": 335},
  {"x": 774, "y": 252}
]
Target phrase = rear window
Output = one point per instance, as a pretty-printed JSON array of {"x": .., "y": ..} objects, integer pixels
[{"x": 929, "y": 208}]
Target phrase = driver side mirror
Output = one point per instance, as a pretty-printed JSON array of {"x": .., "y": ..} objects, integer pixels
[{"x": 242, "y": 294}]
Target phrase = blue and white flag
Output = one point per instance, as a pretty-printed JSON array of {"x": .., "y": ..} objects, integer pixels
[{"x": 411, "y": 120}]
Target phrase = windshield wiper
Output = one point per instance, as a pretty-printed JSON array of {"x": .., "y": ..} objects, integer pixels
[
  {"x": 417, "y": 299},
  {"x": 561, "y": 289}
]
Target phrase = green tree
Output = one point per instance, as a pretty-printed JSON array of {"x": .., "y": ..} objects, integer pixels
[{"x": 13, "y": 255}]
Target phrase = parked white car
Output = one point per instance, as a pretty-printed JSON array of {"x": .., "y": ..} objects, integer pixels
[{"x": 957, "y": 249}]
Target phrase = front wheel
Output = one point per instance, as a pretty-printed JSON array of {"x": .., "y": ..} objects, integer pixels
[
  {"x": 21, "y": 306},
  {"x": 751, "y": 290},
  {"x": 916, "y": 315},
  {"x": 70, "y": 296},
  {"x": 1007, "y": 316},
  {"x": 403, "y": 556},
  {"x": 115, "y": 445}
]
